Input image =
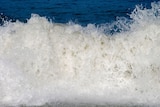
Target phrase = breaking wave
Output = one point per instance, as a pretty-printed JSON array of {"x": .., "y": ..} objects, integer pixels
[{"x": 45, "y": 62}]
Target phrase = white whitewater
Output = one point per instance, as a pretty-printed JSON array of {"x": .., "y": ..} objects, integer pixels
[{"x": 43, "y": 62}]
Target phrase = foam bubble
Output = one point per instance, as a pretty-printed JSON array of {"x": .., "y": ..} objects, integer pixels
[{"x": 43, "y": 62}]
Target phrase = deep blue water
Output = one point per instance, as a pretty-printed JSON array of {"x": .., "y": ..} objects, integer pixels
[{"x": 78, "y": 11}]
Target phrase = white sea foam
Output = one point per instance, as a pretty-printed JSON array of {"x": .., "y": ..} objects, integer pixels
[{"x": 43, "y": 62}]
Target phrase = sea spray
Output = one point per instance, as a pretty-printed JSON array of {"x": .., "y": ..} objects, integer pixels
[{"x": 46, "y": 62}]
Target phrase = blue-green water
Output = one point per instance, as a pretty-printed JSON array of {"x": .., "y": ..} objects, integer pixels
[{"x": 79, "y": 11}]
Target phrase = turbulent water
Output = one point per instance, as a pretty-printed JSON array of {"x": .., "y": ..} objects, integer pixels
[{"x": 45, "y": 62}]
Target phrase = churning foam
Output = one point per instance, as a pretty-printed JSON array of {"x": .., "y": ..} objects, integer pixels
[{"x": 43, "y": 62}]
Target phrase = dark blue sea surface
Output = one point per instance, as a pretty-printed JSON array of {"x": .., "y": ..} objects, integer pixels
[{"x": 62, "y": 11}]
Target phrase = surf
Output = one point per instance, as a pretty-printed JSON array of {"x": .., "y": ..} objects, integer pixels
[{"x": 45, "y": 62}]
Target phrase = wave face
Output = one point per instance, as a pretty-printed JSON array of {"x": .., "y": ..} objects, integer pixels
[{"x": 45, "y": 62}]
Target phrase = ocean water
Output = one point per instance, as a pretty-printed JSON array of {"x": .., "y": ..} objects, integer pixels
[
  {"x": 82, "y": 12},
  {"x": 80, "y": 53}
]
